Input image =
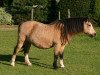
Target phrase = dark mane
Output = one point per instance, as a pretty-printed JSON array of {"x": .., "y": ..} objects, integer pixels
[
  {"x": 73, "y": 25},
  {"x": 70, "y": 25}
]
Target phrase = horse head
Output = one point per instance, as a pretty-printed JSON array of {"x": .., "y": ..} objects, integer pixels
[{"x": 88, "y": 29}]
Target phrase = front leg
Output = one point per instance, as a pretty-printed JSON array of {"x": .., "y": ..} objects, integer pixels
[
  {"x": 55, "y": 61},
  {"x": 61, "y": 56},
  {"x": 56, "y": 54},
  {"x": 61, "y": 60}
]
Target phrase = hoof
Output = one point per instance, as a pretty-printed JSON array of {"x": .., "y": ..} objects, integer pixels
[
  {"x": 12, "y": 64},
  {"x": 62, "y": 66},
  {"x": 28, "y": 63}
]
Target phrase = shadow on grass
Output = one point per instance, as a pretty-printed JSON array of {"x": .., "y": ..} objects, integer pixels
[
  {"x": 42, "y": 64},
  {"x": 5, "y": 59}
]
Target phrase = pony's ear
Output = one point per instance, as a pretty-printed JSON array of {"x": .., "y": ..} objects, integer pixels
[
  {"x": 90, "y": 20},
  {"x": 85, "y": 19}
]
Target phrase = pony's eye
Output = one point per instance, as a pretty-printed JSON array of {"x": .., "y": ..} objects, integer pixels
[{"x": 89, "y": 25}]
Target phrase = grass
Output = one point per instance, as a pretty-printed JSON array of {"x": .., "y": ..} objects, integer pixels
[{"x": 81, "y": 56}]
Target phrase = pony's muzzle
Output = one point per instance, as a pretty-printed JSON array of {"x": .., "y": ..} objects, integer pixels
[{"x": 93, "y": 35}]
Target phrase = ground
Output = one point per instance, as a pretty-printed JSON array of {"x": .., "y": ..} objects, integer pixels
[{"x": 81, "y": 56}]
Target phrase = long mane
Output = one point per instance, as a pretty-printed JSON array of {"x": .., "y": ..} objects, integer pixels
[{"x": 70, "y": 25}]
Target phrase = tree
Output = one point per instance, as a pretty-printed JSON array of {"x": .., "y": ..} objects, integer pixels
[
  {"x": 52, "y": 11},
  {"x": 96, "y": 14},
  {"x": 21, "y": 10},
  {"x": 1, "y": 3},
  {"x": 78, "y": 8}
]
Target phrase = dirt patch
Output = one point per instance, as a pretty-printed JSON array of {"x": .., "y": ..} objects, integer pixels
[{"x": 8, "y": 27}]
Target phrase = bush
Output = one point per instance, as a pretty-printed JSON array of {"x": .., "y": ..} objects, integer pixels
[
  {"x": 21, "y": 10},
  {"x": 52, "y": 11},
  {"x": 5, "y": 18},
  {"x": 96, "y": 14},
  {"x": 78, "y": 8}
]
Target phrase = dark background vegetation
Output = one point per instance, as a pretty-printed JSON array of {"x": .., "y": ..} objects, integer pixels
[{"x": 20, "y": 10}]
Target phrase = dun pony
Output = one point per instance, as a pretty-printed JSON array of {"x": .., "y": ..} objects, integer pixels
[{"x": 56, "y": 34}]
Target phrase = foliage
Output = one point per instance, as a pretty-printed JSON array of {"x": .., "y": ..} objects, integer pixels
[
  {"x": 96, "y": 14},
  {"x": 5, "y": 18},
  {"x": 52, "y": 11},
  {"x": 21, "y": 10},
  {"x": 78, "y": 8}
]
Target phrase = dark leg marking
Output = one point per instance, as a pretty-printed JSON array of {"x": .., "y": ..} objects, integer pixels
[
  {"x": 55, "y": 61},
  {"x": 61, "y": 56}
]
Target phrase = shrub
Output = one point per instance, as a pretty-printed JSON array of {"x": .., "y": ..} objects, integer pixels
[
  {"x": 5, "y": 18},
  {"x": 96, "y": 14},
  {"x": 78, "y": 8},
  {"x": 21, "y": 10}
]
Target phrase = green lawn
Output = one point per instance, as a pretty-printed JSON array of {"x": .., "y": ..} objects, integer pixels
[{"x": 81, "y": 56}]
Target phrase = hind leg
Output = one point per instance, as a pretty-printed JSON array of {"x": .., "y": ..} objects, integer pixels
[
  {"x": 16, "y": 50},
  {"x": 58, "y": 52},
  {"x": 26, "y": 48}
]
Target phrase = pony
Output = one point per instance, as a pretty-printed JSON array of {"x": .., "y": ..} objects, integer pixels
[{"x": 56, "y": 34}]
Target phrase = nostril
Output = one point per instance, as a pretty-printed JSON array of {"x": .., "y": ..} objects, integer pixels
[{"x": 94, "y": 34}]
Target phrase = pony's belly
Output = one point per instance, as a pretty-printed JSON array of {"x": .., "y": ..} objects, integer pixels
[
  {"x": 42, "y": 46},
  {"x": 42, "y": 43}
]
